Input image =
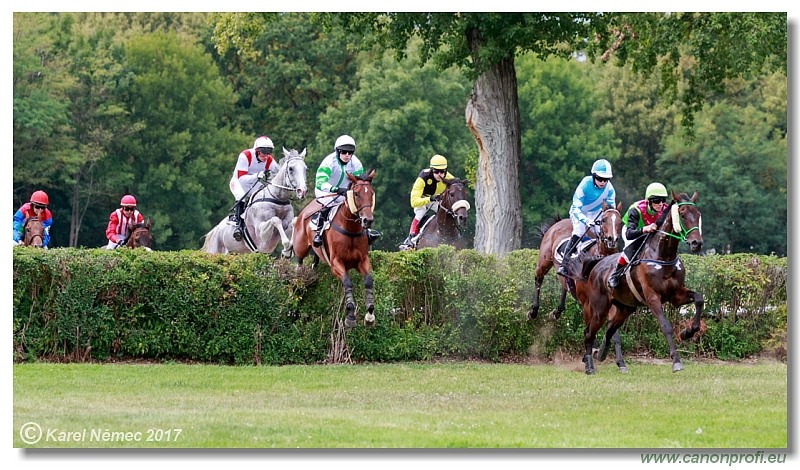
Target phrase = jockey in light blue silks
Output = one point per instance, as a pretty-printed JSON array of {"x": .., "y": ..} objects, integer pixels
[{"x": 587, "y": 204}]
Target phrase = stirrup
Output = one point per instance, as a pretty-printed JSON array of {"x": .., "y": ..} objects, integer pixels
[
  {"x": 237, "y": 234},
  {"x": 372, "y": 235}
]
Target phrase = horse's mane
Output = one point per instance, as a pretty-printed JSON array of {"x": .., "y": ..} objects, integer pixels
[
  {"x": 364, "y": 176},
  {"x": 583, "y": 264}
]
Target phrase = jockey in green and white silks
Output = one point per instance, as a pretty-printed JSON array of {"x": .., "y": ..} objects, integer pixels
[
  {"x": 331, "y": 177},
  {"x": 587, "y": 203}
]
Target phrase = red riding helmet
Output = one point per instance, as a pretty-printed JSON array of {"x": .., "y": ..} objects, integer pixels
[
  {"x": 128, "y": 200},
  {"x": 40, "y": 197}
]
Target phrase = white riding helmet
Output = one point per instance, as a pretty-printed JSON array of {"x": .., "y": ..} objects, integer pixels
[
  {"x": 602, "y": 169},
  {"x": 345, "y": 142},
  {"x": 263, "y": 141}
]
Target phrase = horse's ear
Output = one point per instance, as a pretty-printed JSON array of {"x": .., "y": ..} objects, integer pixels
[
  {"x": 371, "y": 174},
  {"x": 694, "y": 197},
  {"x": 619, "y": 206},
  {"x": 303, "y": 153},
  {"x": 603, "y": 205},
  {"x": 147, "y": 223},
  {"x": 285, "y": 152},
  {"x": 675, "y": 196}
]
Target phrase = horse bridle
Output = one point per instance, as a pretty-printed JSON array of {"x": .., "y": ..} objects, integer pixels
[
  {"x": 34, "y": 236},
  {"x": 358, "y": 210},
  {"x": 451, "y": 211},
  {"x": 283, "y": 171},
  {"x": 681, "y": 232},
  {"x": 598, "y": 220}
]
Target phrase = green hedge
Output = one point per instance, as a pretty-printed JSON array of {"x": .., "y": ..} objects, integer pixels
[{"x": 79, "y": 305}]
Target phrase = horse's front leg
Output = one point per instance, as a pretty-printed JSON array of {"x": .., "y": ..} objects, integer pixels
[
  {"x": 654, "y": 303},
  {"x": 339, "y": 271},
  {"x": 369, "y": 298},
  {"x": 682, "y": 297}
]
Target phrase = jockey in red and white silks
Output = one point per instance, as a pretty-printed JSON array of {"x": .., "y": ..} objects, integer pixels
[
  {"x": 121, "y": 222},
  {"x": 251, "y": 164}
]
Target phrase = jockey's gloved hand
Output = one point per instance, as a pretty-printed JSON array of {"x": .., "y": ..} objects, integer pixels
[
  {"x": 436, "y": 198},
  {"x": 261, "y": 175},
  {"x": 121, "y": 241},
  {"x": 340, "y": 191},
  {"x": 590, "y": 223}
]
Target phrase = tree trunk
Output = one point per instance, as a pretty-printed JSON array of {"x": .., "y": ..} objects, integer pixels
[{"x": 493, "y": 118}]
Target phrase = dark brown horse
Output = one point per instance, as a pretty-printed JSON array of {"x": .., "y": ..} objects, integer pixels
[
  {"x": 140, "y": 236},
  {"x": 345, "y": 245},
  {"x": 446, "y": 226},
  {"x": 602, "y": 241},
  {"x": 655, "y": 277},
  {"x": 34, "y": 232}
]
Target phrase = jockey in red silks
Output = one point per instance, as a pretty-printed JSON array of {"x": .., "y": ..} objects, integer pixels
[
  {"x": 121, "y": 222},
  {"x": 250, "y": 167},
  {"x": 37, "y": 207}
]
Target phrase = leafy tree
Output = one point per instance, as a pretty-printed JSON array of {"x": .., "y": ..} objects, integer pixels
[
  {"x": 182, "y": 160},
  {"x": 641, "y": 120},
  {"x": 400, "y": 116},
  {"x": 560, "y": 136},
  {"x": 286, "y": 74},
  {"x": 738, "y": 164},
  {"x": 485, "y": 45}
]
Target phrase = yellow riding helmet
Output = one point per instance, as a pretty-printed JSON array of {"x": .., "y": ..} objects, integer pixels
[
  {"x": 655, "y": 189},
  {"x": 438, "y": 162}
]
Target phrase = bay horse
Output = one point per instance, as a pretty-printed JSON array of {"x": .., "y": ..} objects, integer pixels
[
  {"x": 446, "y": 227},
  {"x": 34, "y": 232},
  {"x": 603, "y": 241},
  {"x": 140, "y": 236},
  {"x": 268, "y": 215},
  {"x": 655, "y": 277},
  {"x": 345, "y": 245}
]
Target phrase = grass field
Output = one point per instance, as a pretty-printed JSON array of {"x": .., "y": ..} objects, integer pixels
[{"x": 452, "y": 405}]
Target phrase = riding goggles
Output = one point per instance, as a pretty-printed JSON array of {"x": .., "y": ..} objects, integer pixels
[
  {"x": 441, "y": 172},
  {"x": 265, "y": 150},
  {"x": 601, "y": 179},
  {"x": 345, "y": 152},
  {"x": 39, "y": 206},
  {"x": 127, "y": 209},
  {"x": 657, "y": 200}
]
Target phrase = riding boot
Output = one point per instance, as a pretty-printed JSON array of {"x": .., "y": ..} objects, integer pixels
[
  {"x": 412, "y": 232},
  {"x": 237, "y": 217},
  {"x": 571, "y": 245},
  {"x": 321, "y": 219},
  {"x": 613, "y": 280}
]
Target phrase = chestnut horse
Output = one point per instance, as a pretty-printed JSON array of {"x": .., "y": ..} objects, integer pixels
[
  {"x": 345, "y": 245},
  {"x": 655, "y": 277},
  {"x": 446, "y": 226},
  {"x": 140, "y": 236},
  {"x": 603, "y": 240},
  {"x": 34, "y": 232}
]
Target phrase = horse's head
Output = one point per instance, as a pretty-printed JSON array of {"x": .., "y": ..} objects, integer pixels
[
  {"x": 293, "y": 172},
  {"x": 361, "y": 197},
  {"x": 34, "y": 232},
  {"x": 685, "y": 220},
  {"x": 610, "y": 225},
  {"x": 140, "y": 236},
  {"x": 454, "y": 200}
]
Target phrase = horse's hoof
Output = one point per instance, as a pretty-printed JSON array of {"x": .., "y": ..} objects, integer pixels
[
  {"x": 533, "y": 313},
  {"x": 623, "y": 368},
  {"x": 555, "y": 315},
  {"x": 369, "y": 319},
  {"x": 350, "y": 321},
  {"x": 595, "y": 351},
  {"x": 589, "y": 371},
  {"x": 677, "y": 366}
]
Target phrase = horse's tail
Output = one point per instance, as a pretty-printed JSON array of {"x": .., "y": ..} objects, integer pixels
[
  {"x": 212, "y": 240},
  {"x": 545, "y": 227}
]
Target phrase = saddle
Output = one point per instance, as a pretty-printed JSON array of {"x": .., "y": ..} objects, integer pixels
[
  {"x": 583, "y": 245},
  {"x": 315, "y": 218}
]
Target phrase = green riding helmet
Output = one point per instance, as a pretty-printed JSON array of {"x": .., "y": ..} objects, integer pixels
[{"x": 655, "y": 190}]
